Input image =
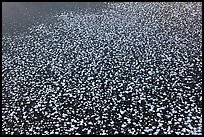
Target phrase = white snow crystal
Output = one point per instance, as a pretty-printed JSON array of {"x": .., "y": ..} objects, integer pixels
[
  {"x": 89, "y": 78},
  {"x": 180, "y": 119},
  {"x": 123, "y": 125},
  {"x": 122, "y": 112},
  {"x": 150, "y": 72},
  {"x": 129, "y": 120},
  {"x": 57, "y": 125},
  {"x": 89, "y": 131}
]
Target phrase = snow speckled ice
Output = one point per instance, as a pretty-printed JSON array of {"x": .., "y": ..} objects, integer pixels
[{"x": 134, "y": 68}]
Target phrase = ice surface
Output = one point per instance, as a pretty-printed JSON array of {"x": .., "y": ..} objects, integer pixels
[{"x": 123, "y": 70}]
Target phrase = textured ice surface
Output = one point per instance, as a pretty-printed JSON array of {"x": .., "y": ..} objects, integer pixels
[{"x": 134, "y": 68}]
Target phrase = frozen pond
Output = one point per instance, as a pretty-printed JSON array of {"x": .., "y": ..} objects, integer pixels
[{"x": 102, "y": 68}]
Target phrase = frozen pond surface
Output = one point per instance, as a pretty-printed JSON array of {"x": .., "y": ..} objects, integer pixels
[{"x": 129, "y": 68}]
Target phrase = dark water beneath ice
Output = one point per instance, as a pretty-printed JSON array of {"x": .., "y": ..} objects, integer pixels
[{"x": 18, "y": 16}]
